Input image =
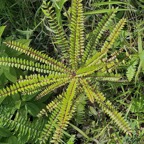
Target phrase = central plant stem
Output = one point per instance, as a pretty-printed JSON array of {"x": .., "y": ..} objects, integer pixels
[{"x": 73, "y": 74}]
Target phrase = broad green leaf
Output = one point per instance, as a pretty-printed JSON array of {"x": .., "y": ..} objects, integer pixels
[
  {"x": 12, "y": 52},
  {"x": 2, "y": 28},
  {"x": 93, "y": 111},
  {"x": 1, "y": 70},
  {"x": 4, "y": 132},
  {"x": 16, "y": 97},
  {"x": 17, "y": 104},
  {"x": 7, "y": 51},
  {"x": 1, "y": 99},
  {"x": 27, "y": 97},
  {"x": 13, "y": 140},
  {"x": 24, "y": 41},
  {"x": 3, "y": 80},
  {"x": 32, "y": 108},
  {"x": 71, "y": 140},
  {"x": 141, "y": 56},
  {"x": 10, "y": 74}
]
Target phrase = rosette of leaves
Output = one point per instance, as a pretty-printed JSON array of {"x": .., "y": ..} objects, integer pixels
[{"x": 79, "y": 74}]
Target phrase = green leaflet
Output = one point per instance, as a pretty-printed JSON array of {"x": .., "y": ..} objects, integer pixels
[
  {"x": 108, "y": 108},
  {"x": 94, "y": 38},
  {"x": 51, "y": 106},
  {"x": 66, "y": 112},
  {"x": 49, "y": 127},
  {"x": 77, "y": 34},
  {"x": 36, "y": 82},
  {"x": 59, "y": 38},
  {"x": 108, "y": 43},
  {"x": 53, "y": 87},
  {"x": 87, "y": 91},
  {"x": 27, "y": 65},
  {"x": 37, "y": 55}
]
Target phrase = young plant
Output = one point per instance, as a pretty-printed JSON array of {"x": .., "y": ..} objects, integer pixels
[
  {"x": 137, "y": 59},
  {"x": 80, "y": 74}
]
